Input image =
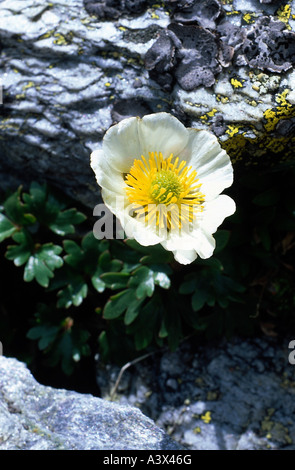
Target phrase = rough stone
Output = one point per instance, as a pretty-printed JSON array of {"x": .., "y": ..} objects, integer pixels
[
  {"x": 35, "y": 417},
  {"x": 224, "y": 65},
  {"x": 222, "y": 395}
]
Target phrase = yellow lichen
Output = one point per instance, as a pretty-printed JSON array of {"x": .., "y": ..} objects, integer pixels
[
  {"x": 212, "y": 396},
  {"x": 284, "y": 13},
  {"x": 281, "y": 98},
  {"x": 28, "y": 85},
  {"x": 212, "y": 112},
  {"x": 206, "y": 116},
  {"x": 256, "y": 87},
  {"x": 86, "y": 20},
  {"x": 47, "y": 35},
  {"x": 233, "y": 12},
  {"x": 232, "y": 130},
  {"x": 240, "y": 147},
  {"x": 197, "y": 430},
  {"x": 154, "y": 16},
  {"x": 274, "y": 115},
  {"x": 206, "y": 417},
  {"x": 249, "y": 18},
  {"x": 223, "y": 99},
  {"x": 63, "y": 40},
  {"x": 236, "y": 83}
]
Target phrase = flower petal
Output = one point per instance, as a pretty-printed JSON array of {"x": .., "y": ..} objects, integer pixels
[
  {"x": 120, "y": 207},
  {"x": 215, "y": 212},
  {"x": 198, "y": 240},
  {"x": 211, "y": 162},
  {"x": 203, "y": 243},
  {"x": 106, "y": 176},
  {"x": 121, "y": 144},
  {"x": 185, "y": 256},
  {"x": 162, "y": 132},
  {"x": 179, "y": 240},
  {"x": 144, "y": 235}
]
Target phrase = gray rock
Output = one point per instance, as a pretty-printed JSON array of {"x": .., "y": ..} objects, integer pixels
[
  {"x": 72, "y": 69},
  {"x": 35, "y": 417},
  {"x": 232, "y": 395}
]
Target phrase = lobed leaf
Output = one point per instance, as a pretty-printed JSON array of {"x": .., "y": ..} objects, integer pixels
[{"x": 7, "y": 228}]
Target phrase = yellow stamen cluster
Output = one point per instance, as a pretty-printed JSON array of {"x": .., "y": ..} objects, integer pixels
[{"x": 163, "y": 192}]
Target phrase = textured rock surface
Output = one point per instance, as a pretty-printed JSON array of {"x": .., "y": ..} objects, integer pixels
[
  {"x": 35, "y": 417},
  {"x": 71, "y": 69},
  {"x": 233, "y": 395}
]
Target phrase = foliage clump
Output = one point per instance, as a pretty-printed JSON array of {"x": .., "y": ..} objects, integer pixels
[{"x": 120, "y": 299}]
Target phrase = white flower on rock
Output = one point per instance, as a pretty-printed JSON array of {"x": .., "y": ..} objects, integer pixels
[{"x": 163, "y": 182}]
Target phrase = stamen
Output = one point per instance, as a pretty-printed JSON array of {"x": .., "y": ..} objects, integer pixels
[{"x": 157, "y": 182}]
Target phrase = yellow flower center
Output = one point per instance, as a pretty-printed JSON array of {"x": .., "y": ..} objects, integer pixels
[{"x": 163, "y": 192}]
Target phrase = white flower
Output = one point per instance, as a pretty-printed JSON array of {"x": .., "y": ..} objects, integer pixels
[{"x": 171, "y": 177}]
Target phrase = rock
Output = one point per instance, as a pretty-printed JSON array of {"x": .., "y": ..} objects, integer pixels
[
  {"x": 35, "y": 417},
  {"x": 227, "y": 395},
  {"x": 72, "y": 69}
]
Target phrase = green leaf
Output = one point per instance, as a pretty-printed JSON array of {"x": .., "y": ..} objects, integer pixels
[
  {"x": 42, "y": 263},
  {"x": 88, "y": 257},
  {"x": 108, "y": 264},
  {"x": 163, "y": 332},
  {"x": 264, "y": 235},
  {"x": 162, "y": 280},
  {"x": 73, "y": 294},
  {"x": 221, "y": 237},
  {"x": 117, "y": 304},
  {"x": 189, "y": 284},
  {"x": 115, "y": 280},
  {"x": 91, "y": 244},
  {"x": 199, "y": 299},
  {"x": 65, "y": 351},
  {"x": 20, "y": 253},
  {"x": 45, "y": 333},
  {"x": 172, "y": 322},
  {"x": 7, "y": 228},
  {"x": 143, "y": 280},
  {"x": 145, "y": 326},
  {"x": 267, "y": 198},
  {"x": 17, "y": 212},
  {"x": 65, "y": 221},
  {"x": 132, "y": 311},
  {"x": 49, "y": 210},
  {"x": 153, "y": 253},
  {"x": 97, "y": 282}
]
